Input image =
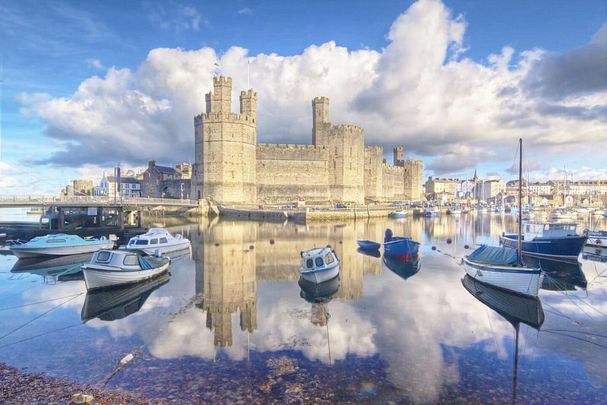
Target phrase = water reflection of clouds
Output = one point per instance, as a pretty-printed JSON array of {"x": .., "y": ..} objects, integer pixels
[
  {"x": 411, "y": 323},
  {"x": 419, "y": 318}
]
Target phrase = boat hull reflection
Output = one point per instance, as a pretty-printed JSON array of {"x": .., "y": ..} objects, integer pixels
[
  {"x": 559, "y": 275},
  {"x": 318, "y": 292},
  {"x": 514, "y": 307},
  {"x": 119, "y": 302},
  {"x": 60, "y": 267},
  {"x": 403, "y": 268}
]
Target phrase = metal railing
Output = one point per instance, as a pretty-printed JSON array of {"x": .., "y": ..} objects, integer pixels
[{"x": 103, "y": 200}]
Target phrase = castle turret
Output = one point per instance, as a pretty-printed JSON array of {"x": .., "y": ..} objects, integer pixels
[
  {"x": 248, "y": 103},
  {"x": 320, "y": 119},
  {"x": 221, "y": 99},
  {"x": 399, "y": 156}
]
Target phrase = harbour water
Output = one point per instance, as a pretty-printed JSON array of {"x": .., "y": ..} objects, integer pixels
[{"x": 233, "y": 323}]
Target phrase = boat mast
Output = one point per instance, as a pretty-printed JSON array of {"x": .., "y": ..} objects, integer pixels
[{"x": 520, "y": 196}]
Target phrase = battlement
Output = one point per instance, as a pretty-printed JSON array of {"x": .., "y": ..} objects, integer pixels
[
  {"x": 347, "y": 128},
  {"x": 248, "y": 93},
  {"x": 232, "y": 118},
  {"x": 320, "y": 99},
  {"x": 291, "y": 152},
  {"x": 374, "y": 149},
  {"x": 412, "y": 162},
  {"x": 390, "y": 169},
  {"x": 217, "y": 81}
]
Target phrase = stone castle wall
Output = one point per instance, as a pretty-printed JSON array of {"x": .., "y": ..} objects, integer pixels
[
  {"x": 393, "y": 182},
  {"x": 287, "y": 173},
  {"x": 373, "y": 173},
  {"x": 230, "y": 167}
]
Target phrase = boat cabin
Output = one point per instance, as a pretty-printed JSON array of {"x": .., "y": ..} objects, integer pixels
[
  {"x": 318, "y": 259},
  {"x": 150, "y": 239},
  {"x": 540, "y": 230}
]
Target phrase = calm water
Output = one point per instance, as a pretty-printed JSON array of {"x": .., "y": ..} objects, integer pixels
[{"x": 233, "y": 323}]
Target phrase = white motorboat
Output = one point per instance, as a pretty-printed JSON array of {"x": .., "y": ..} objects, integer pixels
[
  {"x": 431, "y": 211},
  {"x": 118, "y": 267},
  {"x": 597, "y": 238},
  {"x": 158, "y": 239},
  {"x": 561, "y": 213},
  {"x": 59, "y": 244},
  {"x": 319, "y": 264},
  {"x": 398, "y": 214}
]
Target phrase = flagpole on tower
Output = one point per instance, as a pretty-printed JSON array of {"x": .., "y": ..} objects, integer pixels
[{"x": 248, "y": 73}]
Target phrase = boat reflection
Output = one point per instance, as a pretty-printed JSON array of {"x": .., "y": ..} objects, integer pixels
[
  {"x": 404, "y": 268},
  {"x": 559, "y": 275},
  {"x": 372, "y": 253},
  {"x": 119, "y": 302},
  {"x": 515, "y": 308},
  {"x": 61, "y": 268},
  {"x": 596, "y": 254},
  {"x": 317, "y": 293}
]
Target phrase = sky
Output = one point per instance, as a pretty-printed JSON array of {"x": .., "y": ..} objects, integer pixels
[{"x": 89, "y": 85}]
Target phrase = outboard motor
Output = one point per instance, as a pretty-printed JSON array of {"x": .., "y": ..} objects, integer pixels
[
  {"x": 388, "y": 236},
  {"x": 157, "y": 253}
]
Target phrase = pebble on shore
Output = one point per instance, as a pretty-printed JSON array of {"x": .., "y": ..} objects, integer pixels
[{"x": 18, "y": 387}]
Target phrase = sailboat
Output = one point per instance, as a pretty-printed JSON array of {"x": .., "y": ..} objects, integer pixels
[
  {"x": 503, "y": 266},
  {"x": 515, "y": 308}
]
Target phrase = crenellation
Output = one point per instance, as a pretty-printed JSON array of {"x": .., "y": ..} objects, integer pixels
[{"x": 231, "y": 167}]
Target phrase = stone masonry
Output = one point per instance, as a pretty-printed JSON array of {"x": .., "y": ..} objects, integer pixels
[{"x": 231, "y": 167}]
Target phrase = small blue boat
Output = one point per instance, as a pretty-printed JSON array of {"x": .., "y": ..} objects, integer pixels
[
  {"x": 548, "y": 240},
  {"x": 368, "y": 245},
  {"x": 399, "y": 247}
]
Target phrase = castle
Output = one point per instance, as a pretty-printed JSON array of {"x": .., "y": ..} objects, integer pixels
[{"x": 231, "y": 167}]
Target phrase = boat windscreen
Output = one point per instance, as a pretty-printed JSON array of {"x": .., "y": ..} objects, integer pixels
[{"x": 497, "y": 255}]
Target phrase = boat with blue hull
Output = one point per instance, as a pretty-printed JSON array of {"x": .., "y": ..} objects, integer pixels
[
  {"x": 549, "y": 240},
  {"x": 400, "y": 247},
  {"x": 368, "y": 245}
]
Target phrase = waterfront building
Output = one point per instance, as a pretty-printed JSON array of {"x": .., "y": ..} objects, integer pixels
[
  {"x": 442, "y": 189},
  {"x": 166, "y": 182},
  {"x": 487, "y": 190},
  {"x": 231, "y": 167}
]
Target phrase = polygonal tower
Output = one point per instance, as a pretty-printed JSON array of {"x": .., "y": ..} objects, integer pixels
[{"x": 226, "y": 146}]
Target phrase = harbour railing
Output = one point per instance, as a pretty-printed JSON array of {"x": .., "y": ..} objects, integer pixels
[{"x": 45, "y": 200}]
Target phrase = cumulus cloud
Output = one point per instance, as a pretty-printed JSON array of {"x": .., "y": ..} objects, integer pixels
[
  {"x": 420, "y": 91},
  {"x": 175, "y": 18},
  {"x": 578, "y": 71}
]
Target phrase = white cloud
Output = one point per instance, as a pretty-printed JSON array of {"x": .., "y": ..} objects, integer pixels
[
  {"x": 176, "y": 18},
  {"x": 418, "y": 91},
  {"x": 245, "y": 11},
  {"x": 95, "y": 63}
]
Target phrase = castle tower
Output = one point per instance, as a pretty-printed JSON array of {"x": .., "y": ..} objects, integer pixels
[
  {"x": 221, "y": 98},
  {"x": 414, "y": 177},
  {"x": 399, "y": 156},
  {"x": 248, "y": 103},
  {"x": 320, "y": 120},
  {"x": 225, "y": 147}
]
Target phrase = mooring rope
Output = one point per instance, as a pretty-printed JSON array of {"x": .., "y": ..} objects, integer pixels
[
  {"x": 37, "y": 317},
  {"x": 39, "y": 302}
]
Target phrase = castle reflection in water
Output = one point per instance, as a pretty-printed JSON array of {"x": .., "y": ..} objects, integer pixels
[{"x": 232, "y": 256}]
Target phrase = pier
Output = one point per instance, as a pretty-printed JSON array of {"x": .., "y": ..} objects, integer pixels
[{"x": 90, "y": 216}]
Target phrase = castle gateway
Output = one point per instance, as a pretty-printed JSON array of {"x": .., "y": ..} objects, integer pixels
[{"x": 231, "y": 167}]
